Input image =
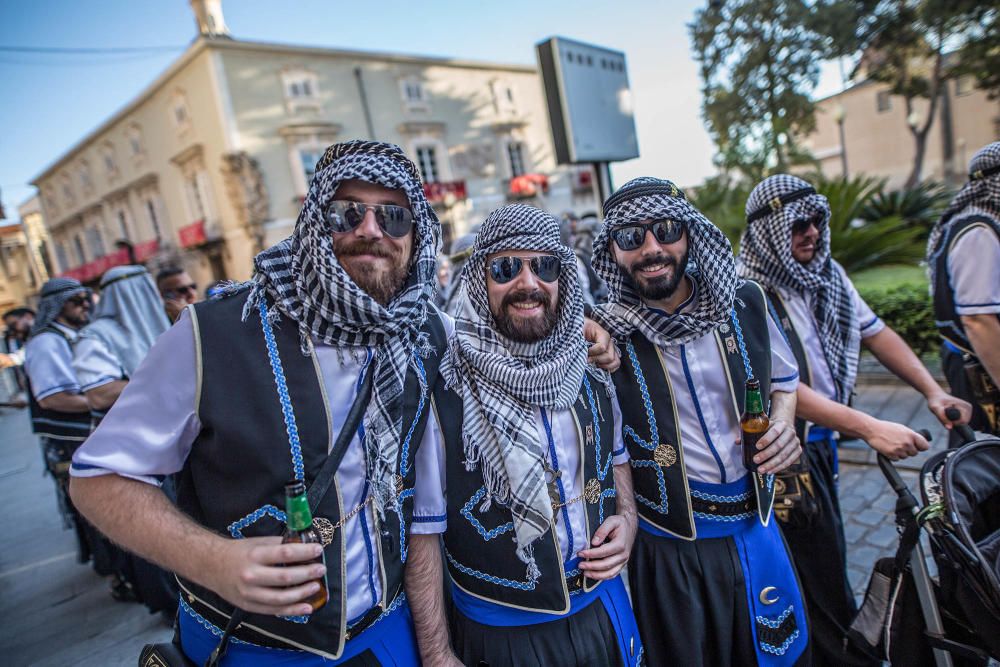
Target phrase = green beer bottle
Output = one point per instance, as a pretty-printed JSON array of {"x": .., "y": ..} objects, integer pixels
[
  {"x": 753, "y": 424},
  {"x": 299, "y": 528}
]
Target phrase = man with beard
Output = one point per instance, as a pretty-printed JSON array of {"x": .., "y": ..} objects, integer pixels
[
  {"x": 710, "y": 577},
  {"x": 254, "y": 388},
  {"x": 963, "y": 259},
  {"x": 540, "y": 515},
  {"x": 60, "y": 415},
  {"x": 786, "y": 248}
]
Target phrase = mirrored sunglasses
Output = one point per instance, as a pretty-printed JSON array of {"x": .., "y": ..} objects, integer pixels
[
  {"x": 505, "y": 269},
  {"x": 802, "y": 224},
  {"x": 631, "y": 237},
  {"x": 344, "y": 216}
]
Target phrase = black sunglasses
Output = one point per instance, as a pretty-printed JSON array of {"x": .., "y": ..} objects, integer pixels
[
  {"x": 631, "y": 237},
  {"x": 344, "y": 216},
  {"x": 505, "y": 269},
  {"x": 802, "y": 224},
  {"x": 79, "y": 300}
]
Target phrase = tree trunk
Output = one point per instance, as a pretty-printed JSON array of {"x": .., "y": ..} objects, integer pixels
[{"x": 920, "y": 146}]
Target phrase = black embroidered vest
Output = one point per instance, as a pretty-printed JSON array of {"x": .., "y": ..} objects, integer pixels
[
  {"x": 644, "y": 389},
  {"x": 232, "y": 481},
  {"x": 798, "y": 349},
  {"x": 480, "y": 546},
  {"x": 948, "y": 322},
  {"x": 71, "y": 426}
]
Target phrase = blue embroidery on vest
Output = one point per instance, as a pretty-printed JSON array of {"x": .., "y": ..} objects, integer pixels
[
  {"x": 499, "y": 581},
  {"x": 720, "y": 498},
  {"x": 774, "y": 625},
  {"x": 467, "y": 510},
  {"x": 404, "y": 465},
  {"x": 236, "y": 528},
  {"x": 282, "y": 387},
  {"x": 559, "y": 485},
  {"x": 629, "y": 432},
  {"x": 208, "y": 625},
  {"x": 742, "y": 343}
]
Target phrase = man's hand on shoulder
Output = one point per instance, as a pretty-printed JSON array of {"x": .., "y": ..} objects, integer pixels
[
  {"x": 778, "y": 448},
  {"x": 603, "y": 352},
  {"x": 264, "y": 576}
]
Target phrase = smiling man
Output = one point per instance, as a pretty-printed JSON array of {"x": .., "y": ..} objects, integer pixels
[
  {"x": 710, "y": 577},
  {"x": 540, "y": 515},
  {"x": 253, "y": 389},
  {"x": 786, "y": 248}
]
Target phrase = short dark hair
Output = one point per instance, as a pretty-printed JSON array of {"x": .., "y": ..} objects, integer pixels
[
  {"x": 19, "y": 312},
  {"x": 168, "y": 272}
]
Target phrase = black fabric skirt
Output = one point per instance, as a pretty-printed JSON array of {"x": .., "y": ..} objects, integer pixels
[
  {"x": 690, "y": 602},
  {"x": 585, "y": 639},
  {"x": 820, "y": 556}
]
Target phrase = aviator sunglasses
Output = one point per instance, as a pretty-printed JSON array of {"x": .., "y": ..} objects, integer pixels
[
  {"x": 344, "y": 216},
  {"x": 505, "y": 269},
  {"x": 631, "y": 237},
  {"x": 802, "y": 224}
]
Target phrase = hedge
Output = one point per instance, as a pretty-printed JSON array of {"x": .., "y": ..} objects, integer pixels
[{"x": 907, "y": 309}]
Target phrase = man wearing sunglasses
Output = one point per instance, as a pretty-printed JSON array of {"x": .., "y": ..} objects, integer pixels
[
  {"x": 711, "y": 580},
  {"x": 253, "y": 389},
  {"x": 540, "y": 515},
  {"x": 786, "y": 248},
  {"x": 176, "y": 289},
  {"x": 59, "y": 412}
]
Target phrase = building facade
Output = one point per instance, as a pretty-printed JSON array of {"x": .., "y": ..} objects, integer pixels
[
  {"x": 877, "y": 139},
  {"x": 24, "y": 263},
  {"x": 210, "y": 163}
]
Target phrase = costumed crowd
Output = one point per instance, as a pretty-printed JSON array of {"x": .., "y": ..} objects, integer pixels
[{"x": 483, "y": 451}]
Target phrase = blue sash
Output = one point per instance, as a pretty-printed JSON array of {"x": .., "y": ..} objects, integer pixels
[
  {"x": 391, "y": 639},
  {"x": 777, "y": 611}
]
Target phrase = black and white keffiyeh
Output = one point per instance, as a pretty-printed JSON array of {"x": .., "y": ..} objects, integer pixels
[
  {"x": 53, "y": 296},
  {"x": 980, "y": 196},
  {"x": 710, "y": 263},
  {"x": 766, "y": 257},
  {"x": 301, "y": 279},
  {"x": 501, "y": 381}
]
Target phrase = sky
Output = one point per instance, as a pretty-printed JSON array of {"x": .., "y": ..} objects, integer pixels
[{"x": 48, "y": 102}]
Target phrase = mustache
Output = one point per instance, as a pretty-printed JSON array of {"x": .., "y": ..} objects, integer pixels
[
  {"x": 363, "y": 247},
  {"x": 526, "y": 295},
  {"x": 666, "y": 260}
]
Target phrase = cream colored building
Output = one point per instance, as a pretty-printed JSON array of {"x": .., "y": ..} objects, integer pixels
[
  {"x": 210, "y": 162},
  {"x": 877, "y": 140},
  {"x": 24, "y": 265}
]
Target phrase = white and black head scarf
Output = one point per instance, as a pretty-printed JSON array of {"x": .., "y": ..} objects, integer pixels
[
  {"x": 301, "y": 279},
  {"x": 980, "y": 196},
  {"x": 710, "y": 264},
  {"x": 129, "y": 317},
  {"x": 501, "y": 381},
  {"x": 54, "y": 295},
  {"x": 766, "y": 257}
]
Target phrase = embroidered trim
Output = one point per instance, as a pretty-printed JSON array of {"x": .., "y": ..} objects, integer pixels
[
  {"x": 724, "y": 518},
  {"x": 431, "y": 518},
  {"x": 208, "y": 625},
  {"x": 236, "y": 528},
  {"x": 776, "y": 635},
  {"x": 628, "y": 432},
  {"x": 720, "y": 499},
  {"x": 404, "y": 459},
  {"x": 487, "y": 535},
  {"x": 742, "y": 344},
  {"x": 499, "y": 581},
  {"x": 403, "y": 551},
  {"x": 298, "y": 467},
  {"x": 559, "y": 485}
]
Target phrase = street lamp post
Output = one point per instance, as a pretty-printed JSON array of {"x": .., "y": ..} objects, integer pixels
[{"x": 839, "y": 115}]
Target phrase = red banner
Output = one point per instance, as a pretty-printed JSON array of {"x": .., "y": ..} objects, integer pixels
[
  {"x": 193, "y": 234},
  {"x": 437, "y": 191},
  {"x": 95, "y": 269}
]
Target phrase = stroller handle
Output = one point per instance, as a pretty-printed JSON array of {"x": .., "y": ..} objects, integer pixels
[
  {"x": 892, "y": 476},
  {"x": 963, "y": 430}
]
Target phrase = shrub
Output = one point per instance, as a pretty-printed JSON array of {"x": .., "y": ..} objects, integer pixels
[{"x": 907, "y": 309}]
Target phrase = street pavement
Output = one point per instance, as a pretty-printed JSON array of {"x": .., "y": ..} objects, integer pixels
[{"x": 54, "y": 611}]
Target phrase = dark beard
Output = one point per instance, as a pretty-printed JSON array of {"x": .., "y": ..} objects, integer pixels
[
  {"x": 381, "y": 286},
  {"x": 521, "y": 330},
  {"x": 661, "y": 287}
]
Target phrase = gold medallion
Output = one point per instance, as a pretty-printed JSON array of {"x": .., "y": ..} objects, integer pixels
[
  {"x": 664, "y": 455},
  {"x": 592, "y": 492},
  {"x": 325, "y": 529}
]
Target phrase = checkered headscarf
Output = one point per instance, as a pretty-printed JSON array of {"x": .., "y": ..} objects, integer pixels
[
  {"x": 501, "y": 381},
  {"x": 980, "y": 196},
  {"x": 710, "y": 263},
  {"x": 301, "y": 279},
  {"x": 54, "y": 295},
  {"x": 766, "y": 257}
]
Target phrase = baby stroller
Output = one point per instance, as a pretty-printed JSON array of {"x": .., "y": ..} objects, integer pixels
[{"x": 909, "y": 619}]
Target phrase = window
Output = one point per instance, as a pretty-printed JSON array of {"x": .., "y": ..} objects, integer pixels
[
  {"x": 134, "y": 135},
  {"x": 153, "y": 221},
  {"x": 96, "y": 241},
  {"x": 515, "y": 153},
  {"x": 301, "y": 89},
  {"x": 882, "y": 101},
  {"x": 503, "y": 97},
  {"x": 964, "y": 85},
  {"x": 309, "y": 157},
  {"x": 62, "y": 257},
  {"x": 122, "y": 225},
  {"x": 197, "y": 205},
  {"x": 67, "y": 191},
  {"x": 179, "y": 114},
  {"x": 81, "y": 256},
  {"x": 110, "y": 163},
  {"x": 413, "y": 93},
  {"x": 427, "y": 161},
  {"x": 86, "y": 182},
  {"x": 51, "y": 205}
]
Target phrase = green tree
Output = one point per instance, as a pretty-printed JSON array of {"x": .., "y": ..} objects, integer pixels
[
  {"x": 759, "y": 62},
  {"x": 915, "y": 47}
]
